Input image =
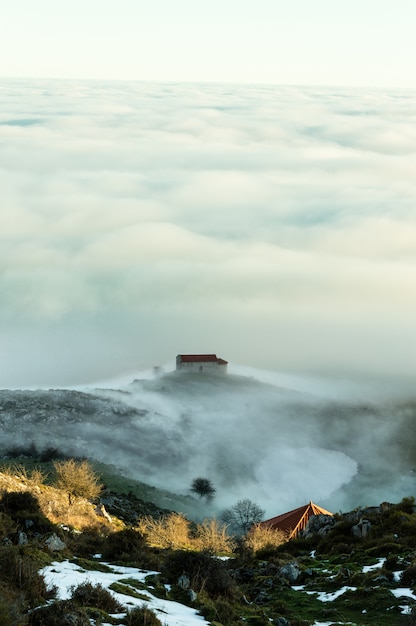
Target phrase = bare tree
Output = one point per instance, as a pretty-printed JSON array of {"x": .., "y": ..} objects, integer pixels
[
  {"x": 78, "y": 479},
  {"x": 242, "y": 515},
  {"x": 203, "y": 487}
]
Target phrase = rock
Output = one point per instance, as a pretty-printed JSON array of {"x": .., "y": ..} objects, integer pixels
[
  {"x": 54, "y": 543},
  {"x": 100, "y": 510},
  {"x": 192, "y": 595},
  {"x": 262, "y": 597},
  {"x": 184, "y": 582},
  {"x": 290, "y": 571},
  {"x": 361, "y": 529},
  {"x": 281, "y": 621},
  {"x": 21, "y": 538},
  {"x": 318, "y": 525}
]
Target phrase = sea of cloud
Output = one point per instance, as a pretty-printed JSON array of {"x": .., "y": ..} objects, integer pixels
[
  {"x": 262, "y": 435},
  {"x": 273, "y": 225},
  {"x": 276, "y": 439}
]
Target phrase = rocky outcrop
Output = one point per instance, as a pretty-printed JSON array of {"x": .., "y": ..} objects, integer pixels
[
  {"x": 318, "y": 525},
  {"x": 361, "y": 529},
  {"x": 55, "y": 544},
  {"x": 290, "y": 571}
]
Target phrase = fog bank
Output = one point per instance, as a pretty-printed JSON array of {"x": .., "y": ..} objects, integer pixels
[{"x": 278, "y": 446}]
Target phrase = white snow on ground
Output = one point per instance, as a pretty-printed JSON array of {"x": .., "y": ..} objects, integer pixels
[
  {"x": 66, "y": 575},
  {"x": 322, "y": 595},
  {"x": 370, "y": 568},
  {"x": 402, "y": 592},
  {"x": 330, "y": 597}
]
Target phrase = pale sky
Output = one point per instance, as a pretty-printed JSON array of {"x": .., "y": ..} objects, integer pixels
[{"x": 298, "y": 42}]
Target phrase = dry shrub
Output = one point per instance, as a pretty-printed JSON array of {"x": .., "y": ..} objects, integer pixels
[
  {"x": 142, "y": 616},
  {"x": 261, "y": 537},
  {"x": 212, "y": 536},
  {"x": 87, "y": 543},
  {"x": 37, "y": 476},
  {"x": 12, "y": 479},
  {"x": 126, "y": 545},
  {"x": 170, "y": 531},
  {"x": 16, "y": 471},
  {"x": 63, "y": 613},
  {"x": 97, "y": 596},
  {"x": 77, "y": 479},
  {"x": 27, "y": 478}
]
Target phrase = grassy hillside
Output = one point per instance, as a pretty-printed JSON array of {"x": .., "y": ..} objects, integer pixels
[{"x": 359, "y": 568}]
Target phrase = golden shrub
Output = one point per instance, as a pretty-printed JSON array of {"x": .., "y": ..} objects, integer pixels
[
  {"x": 260, "y": 537},
  {"x": 77, "y": 479},
  {"x": 170, "y": 531},
  {"x": 212, "y": 535}
]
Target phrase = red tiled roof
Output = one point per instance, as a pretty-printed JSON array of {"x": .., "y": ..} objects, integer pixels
[
  {"x": 294, "y": 521},
  {"x": 198, "y": 358}
]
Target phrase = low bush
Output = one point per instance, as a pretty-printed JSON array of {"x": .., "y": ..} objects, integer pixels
[
  {"x": 407, "y": 505},
  {"x": 408, "y": 576},
  {"x": 125, "y": 545},
  {"x": 21, "y": 573},
  {"x": 170, "y": 531},
  {"x": 87, "y": 594},
  {"x": 220, "y": 610},
  {"x": 392, "y": 563},
  {"x": 212, "y": 536},
  {"x": 62, "y": 613},
  {"x": 260, "y": 538},
  {"x": 87, "y": 543},
  {"x": 142, "y": 616},
  {"x": 204, "y": 572}
]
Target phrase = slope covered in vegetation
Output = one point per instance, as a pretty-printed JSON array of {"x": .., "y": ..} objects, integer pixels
[{"x": 358, "y": 569}]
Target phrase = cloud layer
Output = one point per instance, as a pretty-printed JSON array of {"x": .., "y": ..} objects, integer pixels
[{"x": 275, "y": 226}]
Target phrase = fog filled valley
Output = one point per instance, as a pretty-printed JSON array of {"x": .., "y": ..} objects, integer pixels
[{"x": 280, "y": 446}]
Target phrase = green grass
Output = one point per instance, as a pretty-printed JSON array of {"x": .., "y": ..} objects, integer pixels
[
  {"x": 127, "y": 590},
  {"x": 91, "y": 566}
]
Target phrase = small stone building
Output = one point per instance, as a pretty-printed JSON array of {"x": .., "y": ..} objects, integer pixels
[{"x": 201, "y": 364}]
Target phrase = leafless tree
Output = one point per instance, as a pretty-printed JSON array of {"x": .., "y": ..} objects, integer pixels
[{"x": 242, "y": 515}]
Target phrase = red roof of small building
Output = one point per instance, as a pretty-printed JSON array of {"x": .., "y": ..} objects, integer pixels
[
  {"x": 294, "y": 521},
  {"x": 204, "y": 358}
]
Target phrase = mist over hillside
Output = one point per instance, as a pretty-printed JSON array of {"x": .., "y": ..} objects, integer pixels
[{"x": 275, "y": 445}]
